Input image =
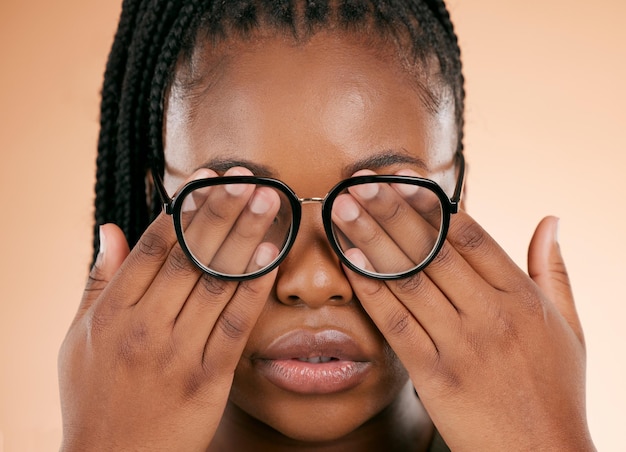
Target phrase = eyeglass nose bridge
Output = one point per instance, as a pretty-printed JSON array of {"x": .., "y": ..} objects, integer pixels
[{"x": 311, "y": 200}]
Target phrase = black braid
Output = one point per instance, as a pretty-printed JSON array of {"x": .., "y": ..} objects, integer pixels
[
  {"x": 111, "y": 93},
  {"x": 316, "y": 11},
  {"x": 443, "y": 16},
  {"x": 153, "y": 35},
  {"x": 129, "y": 161}
]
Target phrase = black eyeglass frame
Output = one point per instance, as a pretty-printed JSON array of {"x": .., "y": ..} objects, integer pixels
[{"x": 173, "y": 206}]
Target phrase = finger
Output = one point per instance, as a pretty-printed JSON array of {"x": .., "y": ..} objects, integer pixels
[
  {"x": 471, "y": 268},
  {"x": 235, "y": 254},
  {"x": 547, "y": 268},
  {"x": 147, "y": 259},
  {"x": 208, "y": 300},
  {"x": 208, "y": 215},
  {"x": 143, "y": 264},
  {"x": 398, "y": 216},
  {"x": 215, "y": 216},
  {"x": 359, "y": 230},
  {"x": 176, "y": 274},
  {"x": 483, "y": 254},
  {"x": 405, "y": 334},
  {"x": 113, "y": 250},
  {"x": 405, "y": 213},
  {"x": 232, "y": 329},
  {"x": 420, "y": 296},
  {"x": 421, "y": 199},
  {"x": 180, "y": 280}
]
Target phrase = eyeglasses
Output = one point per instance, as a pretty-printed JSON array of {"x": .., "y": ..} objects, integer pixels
[{"x": 381, "y": 226}]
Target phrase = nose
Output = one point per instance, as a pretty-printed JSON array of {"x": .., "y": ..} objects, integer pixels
[{"x": 311, "y": 275}]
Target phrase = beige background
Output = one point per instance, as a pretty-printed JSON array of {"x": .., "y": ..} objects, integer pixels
[{"x": 545, "y": 135}]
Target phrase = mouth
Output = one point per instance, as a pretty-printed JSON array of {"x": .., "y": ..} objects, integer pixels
[
  {"x": 305, "y": 362},
  {"x": 317, "y": 359}
]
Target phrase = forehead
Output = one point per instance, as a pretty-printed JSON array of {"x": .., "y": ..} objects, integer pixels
[{"x": 297, "y": 107}]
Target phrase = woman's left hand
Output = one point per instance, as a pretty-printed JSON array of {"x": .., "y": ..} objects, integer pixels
[{"x": 496, "y": 356}]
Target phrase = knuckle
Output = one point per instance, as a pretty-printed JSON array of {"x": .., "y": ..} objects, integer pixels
[
  {"x": 370, "y": 237},
  {"x": 475, "y": 345},
  {"x": 500, "y": 339},
  {"x": 476, "y": 342},
  {"x": 250, "y": 290},
  {"x": 212, "y": 287},
  {"x": 212, "y": 213},
  {"x": 233, "y": 326},
  {"x": 166, "y": 356},
  {"x": 393, "y": 214},
  {"x": 399, "y": 323},
  {"x": 443, "y": 257},
  {"x": 506, "y": 328},
  {"x": 134, "y": 344},
  {"x": 192, "y": 384},
  {"x": 153, "y": 246},
  {"x": 531, "y": 303},
  {"x": 243, "y": 233},
  {"x": 98, "y": 322},
  {"x": 96, "y": 281},
  {"x": 469, "y": 237},
  {"x": 203, "y": 378},
  {"x": 559, "y": 273},
  {"x": 178, "y": 264},
  {"x": 372, "y": 290},
  {"x": 448, "y": 379},
  {"x": 411, "y": 284},
  {"x": 560, "y": 278},
  {"x": 526, "y": 299}
]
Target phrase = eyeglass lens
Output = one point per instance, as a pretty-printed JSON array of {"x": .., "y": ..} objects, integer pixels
[
  {"x": 394, "y": 227},
  {"x": 235, "y": 229},
  {"x": 238, "y": 229}
]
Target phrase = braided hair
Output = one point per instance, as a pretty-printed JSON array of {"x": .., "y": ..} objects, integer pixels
[{"x": 153, "y": 35}]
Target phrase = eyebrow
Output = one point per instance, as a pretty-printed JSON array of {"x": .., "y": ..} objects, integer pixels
[
  {"x": 384, "y": 159},
  {"x": 221, "y": 165},
  {"x": 374, "y": 162}
]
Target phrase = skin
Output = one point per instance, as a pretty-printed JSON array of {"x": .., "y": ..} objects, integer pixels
[{"x": 161, "y": 357}]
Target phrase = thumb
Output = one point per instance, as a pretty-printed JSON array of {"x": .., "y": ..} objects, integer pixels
[
  {"x": 547, "y": 269},
  {"x": 113, "y": 250}
]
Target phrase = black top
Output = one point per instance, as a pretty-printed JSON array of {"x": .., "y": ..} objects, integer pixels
[{"x": 437, "y": 444}]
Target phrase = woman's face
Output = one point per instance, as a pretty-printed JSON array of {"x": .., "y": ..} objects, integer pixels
[{"x": 309, "y": 114}]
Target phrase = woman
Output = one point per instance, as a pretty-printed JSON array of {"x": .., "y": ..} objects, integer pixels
[{"x": 246, "y": 317}]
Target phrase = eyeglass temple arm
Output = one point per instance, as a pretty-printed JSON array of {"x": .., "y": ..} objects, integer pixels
[
  {"x": 458, "y": 190},
  {"x": 166, "y": 201}
]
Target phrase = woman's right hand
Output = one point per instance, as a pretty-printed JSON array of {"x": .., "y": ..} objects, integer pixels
[{"x": 149, "y": 359}]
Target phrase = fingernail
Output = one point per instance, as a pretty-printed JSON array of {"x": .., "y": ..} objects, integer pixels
[
  {"x": 102, "y": 246},
  {"x": 259, "y": 204},
  {"x": 202, "y": 173},
  {"x": 556, "y": 230},
  {"x": 407, "y": 190},
  {"x": 366, "y": 191},
  {"x": 236, "y": 189},
  {"x": 357, "y": 259},
  {"x": 264, "y": 256},
  {"x": 347, "y": 210}
]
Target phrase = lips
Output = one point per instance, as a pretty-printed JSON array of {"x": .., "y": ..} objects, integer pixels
[{"x": 306, "y": 362}]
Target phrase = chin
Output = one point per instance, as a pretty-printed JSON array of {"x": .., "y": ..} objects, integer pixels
[
  {"x": 322, "y": 425},
  {"x": 314, "y": 419}
]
